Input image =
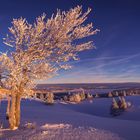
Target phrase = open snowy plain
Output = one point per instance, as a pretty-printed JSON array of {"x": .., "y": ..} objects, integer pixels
[{"x": 88, "y": 120}]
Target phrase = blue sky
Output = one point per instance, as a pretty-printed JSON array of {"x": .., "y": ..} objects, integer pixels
[{"x": 117, "y": 54}]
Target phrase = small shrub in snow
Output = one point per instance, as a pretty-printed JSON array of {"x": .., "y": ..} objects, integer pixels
[
  {"x": 114, "y": 104},
  {"x": 50, "y": 98},
  {"x": 123, "y": 104},
  {"x": 117, "y": 94},
  {"x": 96, "y": 96},
  {"x": 129, "y": 104},
  {"x": 65, "y": 98},
  {"x": 114, "y": 110},
  {"x": 82, "y": 95},
  {"x": 89, "y": 96},
  {"x": 75, "y": 98},
  {"x": 30, "y": 125},
  {"x": 42, "y": 97}
]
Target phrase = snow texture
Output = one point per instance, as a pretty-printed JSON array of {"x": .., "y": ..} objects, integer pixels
[{"x": 68, "y": 122}]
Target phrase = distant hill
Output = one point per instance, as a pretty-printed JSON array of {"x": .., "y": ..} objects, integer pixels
[{"x": 89, "y": 86}]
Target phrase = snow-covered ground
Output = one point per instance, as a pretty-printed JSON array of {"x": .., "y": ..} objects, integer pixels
[{"x": 84, "y": 121}]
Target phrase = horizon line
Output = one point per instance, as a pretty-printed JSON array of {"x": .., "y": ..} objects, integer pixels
[{"x": 95, "y": 83}]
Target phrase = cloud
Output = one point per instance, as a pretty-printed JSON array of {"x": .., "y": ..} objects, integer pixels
[{"x": 103, "y": 69}]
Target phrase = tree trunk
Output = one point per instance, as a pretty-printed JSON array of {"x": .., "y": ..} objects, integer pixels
[
  {"x": 17, "y": 115},
  {"x": 12, "y": 119},
  {"x": 8, "y": 108}
]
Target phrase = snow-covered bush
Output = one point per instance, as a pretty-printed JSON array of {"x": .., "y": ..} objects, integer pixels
[
  {"x": 49, "y": 98},
  {"x": 30, "y": 125},
  {"x": 65, "y": 98},
  {"x": 116, "y": 93},
  {"x": 96, "y": 95},
  {"x": 89, "y": 96},
  {"x": 114, "y": 104},
  {"x": 42, "y": 97},
  {"x": 75, "y": 98},
  {"x": 114, "y": 110},
  {"x": 123, "y": 103},
  {"x": 82, "y": 95}
]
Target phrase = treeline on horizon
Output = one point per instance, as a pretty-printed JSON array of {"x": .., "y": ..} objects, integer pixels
[{"x": 91, "y": 85}]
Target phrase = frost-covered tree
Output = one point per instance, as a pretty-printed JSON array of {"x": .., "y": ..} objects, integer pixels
[
  {"x": 75, "y": 98},
  {"x": 42, "y": 97},
  {"x": 50, "y": 98},
  {"x": 123, "y": 103},
  {"x": 40, "y": 49},
  {"x": 89, "y": 96}
]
